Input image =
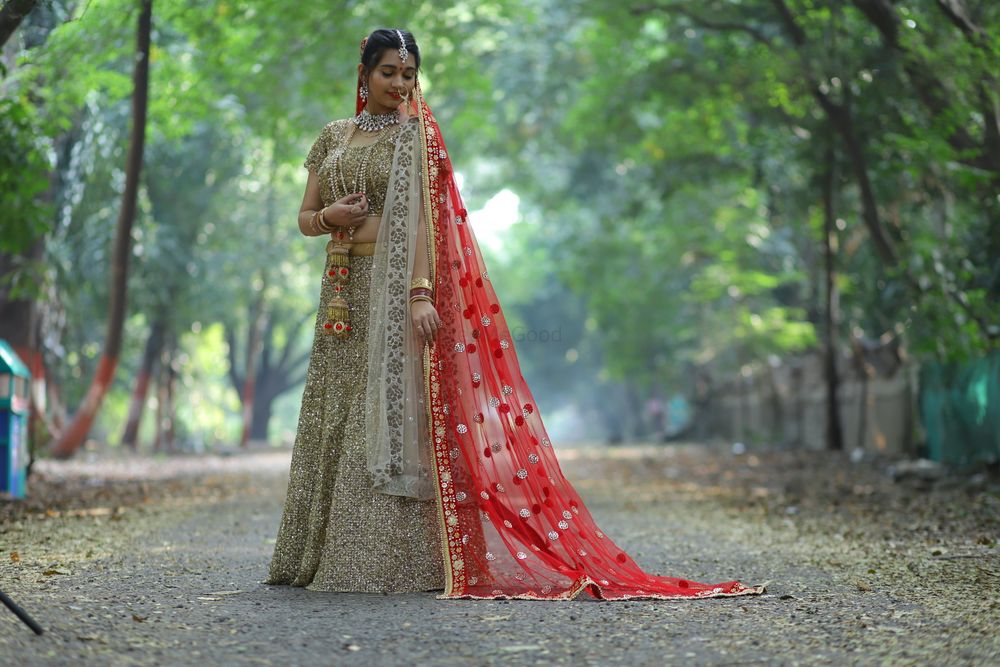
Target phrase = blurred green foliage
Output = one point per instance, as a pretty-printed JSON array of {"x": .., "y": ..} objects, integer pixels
[{"x": 667, "y": 156}]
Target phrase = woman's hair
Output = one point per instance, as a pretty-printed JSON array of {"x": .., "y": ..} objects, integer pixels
[{"x": 383, "y": 39}]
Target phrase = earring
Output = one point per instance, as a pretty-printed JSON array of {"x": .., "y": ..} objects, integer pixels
[{"x": 364, "y": 90}]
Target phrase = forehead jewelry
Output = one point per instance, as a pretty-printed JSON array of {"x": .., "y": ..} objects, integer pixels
[{"x": 403, "y": 53}]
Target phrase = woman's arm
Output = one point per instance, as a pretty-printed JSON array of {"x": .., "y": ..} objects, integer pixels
[
  {"x": 421, "y": 263},
  {"x": 425, "y": 317},
  {"x": 349, "y": 210},
  {"x": 311, "y": 202}
]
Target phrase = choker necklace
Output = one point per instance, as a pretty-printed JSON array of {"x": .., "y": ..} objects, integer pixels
[{"x": 369, "y": 122}]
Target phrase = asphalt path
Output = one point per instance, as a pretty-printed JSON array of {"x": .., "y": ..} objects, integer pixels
[{"x": 168, "y": 570}]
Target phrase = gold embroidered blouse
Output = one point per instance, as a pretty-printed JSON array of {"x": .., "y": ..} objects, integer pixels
[{"x": 373, "y": 182}]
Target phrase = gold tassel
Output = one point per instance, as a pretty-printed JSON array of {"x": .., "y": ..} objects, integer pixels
[
  {"x": 338, "y": 320},
  {"x": 338, "y": 269}
]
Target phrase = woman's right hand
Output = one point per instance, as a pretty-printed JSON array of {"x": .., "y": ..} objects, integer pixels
[{"x": 349, "y": 211}]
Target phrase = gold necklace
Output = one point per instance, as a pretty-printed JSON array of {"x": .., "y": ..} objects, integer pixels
[{"x": 361, "y": 173}]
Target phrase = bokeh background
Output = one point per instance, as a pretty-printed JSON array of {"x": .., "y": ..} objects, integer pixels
[{"x": 764, "y": 221}]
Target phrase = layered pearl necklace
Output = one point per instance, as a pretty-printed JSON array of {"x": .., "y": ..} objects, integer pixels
[{"x": 366, "y": 122}]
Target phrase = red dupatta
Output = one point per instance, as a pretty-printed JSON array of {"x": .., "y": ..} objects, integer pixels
[{"x": 512, "y": 525}]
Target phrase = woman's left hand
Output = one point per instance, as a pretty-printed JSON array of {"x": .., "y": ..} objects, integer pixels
[{"x": 426, "y": 320}]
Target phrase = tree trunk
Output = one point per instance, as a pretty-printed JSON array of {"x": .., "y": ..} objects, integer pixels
[
  {"x": 262, "y": 409},
  {"x": 254, "y": 335},
  {"x": 163, "y": 438},
  {"x": 11, "y": 15},
  {"x": 863, "y": 395},
  {"x": 154, "y": 345},
  {"x": 75, "y": 434},
  {"x": 275, "y": 371},
  {"x": 169, "y": 423},
  {"x": 161, "y": 398},
  {"x": 834, "y": 434},
  {"x": 255, "y": 343},
  {"x": 742, "y": 431},
  {"x": 797, "y": 383}
]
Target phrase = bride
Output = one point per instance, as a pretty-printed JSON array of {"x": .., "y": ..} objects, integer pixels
[{"x": 421, "y": 461}]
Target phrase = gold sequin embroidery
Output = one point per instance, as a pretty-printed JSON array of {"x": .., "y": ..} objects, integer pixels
[{"x": 336, "y": 533}]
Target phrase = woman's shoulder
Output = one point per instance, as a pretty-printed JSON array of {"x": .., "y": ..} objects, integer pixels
[
  {"x": 337, "y": 126},
  {"x": 334, "y": 131}
]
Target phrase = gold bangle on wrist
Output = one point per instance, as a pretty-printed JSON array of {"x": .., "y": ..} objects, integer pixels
[
  {"x": 322, "y": 221},
  {"x": 422, "y": 297},
  {"x": 421, "y": 282}
]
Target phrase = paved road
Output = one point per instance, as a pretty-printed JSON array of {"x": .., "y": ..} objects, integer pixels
[{"x": 168, "y": 572}]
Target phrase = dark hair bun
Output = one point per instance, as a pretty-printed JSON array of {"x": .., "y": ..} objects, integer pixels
[{"x": 383, "y": 39}]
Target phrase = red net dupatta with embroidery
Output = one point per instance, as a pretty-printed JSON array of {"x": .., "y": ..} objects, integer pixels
[{"x": 512, "y": 525}]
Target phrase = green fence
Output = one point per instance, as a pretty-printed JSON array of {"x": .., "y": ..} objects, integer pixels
[{"x": 960, "y": 410}]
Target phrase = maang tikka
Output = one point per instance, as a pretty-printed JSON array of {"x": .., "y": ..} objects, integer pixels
[{"x": 403, "y": 53}]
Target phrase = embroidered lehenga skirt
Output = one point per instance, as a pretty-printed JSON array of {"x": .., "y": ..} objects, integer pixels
[{"x": 336, "y": 533}]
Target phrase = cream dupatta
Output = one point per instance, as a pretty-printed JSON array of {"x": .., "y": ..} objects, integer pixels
[{"x": 397, "y": 431}]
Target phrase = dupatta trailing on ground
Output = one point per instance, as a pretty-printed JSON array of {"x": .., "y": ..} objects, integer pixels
[{"x": 512, "y": 525}]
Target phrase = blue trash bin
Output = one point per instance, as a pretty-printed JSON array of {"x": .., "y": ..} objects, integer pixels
[{"x": 14, "y": 379}]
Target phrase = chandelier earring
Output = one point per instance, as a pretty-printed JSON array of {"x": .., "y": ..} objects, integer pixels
[{"x": 364, "y": 90}]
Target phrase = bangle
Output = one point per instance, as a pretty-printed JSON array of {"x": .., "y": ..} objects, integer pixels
[
  {"x": 422, "y": 297},
  {"x": 421, "y": 290},
  {"x": 312, "y": 225},
  {"x": 421, "y": 282},
  {"x": 321, "y": 223}
]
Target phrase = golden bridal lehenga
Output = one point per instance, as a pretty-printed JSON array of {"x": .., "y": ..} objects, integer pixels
[{"x": 427, "y": 466}]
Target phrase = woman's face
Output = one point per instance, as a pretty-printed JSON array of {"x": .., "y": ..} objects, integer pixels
[{"x": 390, "y": 81}]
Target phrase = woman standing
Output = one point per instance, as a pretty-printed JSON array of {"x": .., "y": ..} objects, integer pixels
[{"x": 421, "y": 461}]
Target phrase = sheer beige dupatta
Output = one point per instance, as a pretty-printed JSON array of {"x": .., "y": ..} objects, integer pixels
[{"x": 397, "y": 433}]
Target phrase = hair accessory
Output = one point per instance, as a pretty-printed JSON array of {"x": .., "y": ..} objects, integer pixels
[
  {"x": 403, "y": 53},
  {"x": 364, "y": 41}
]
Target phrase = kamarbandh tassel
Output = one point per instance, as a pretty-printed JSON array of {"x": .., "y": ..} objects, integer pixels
[
  {"x": 338, "y": 320},
  {"x": 338, "y": 270}
]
